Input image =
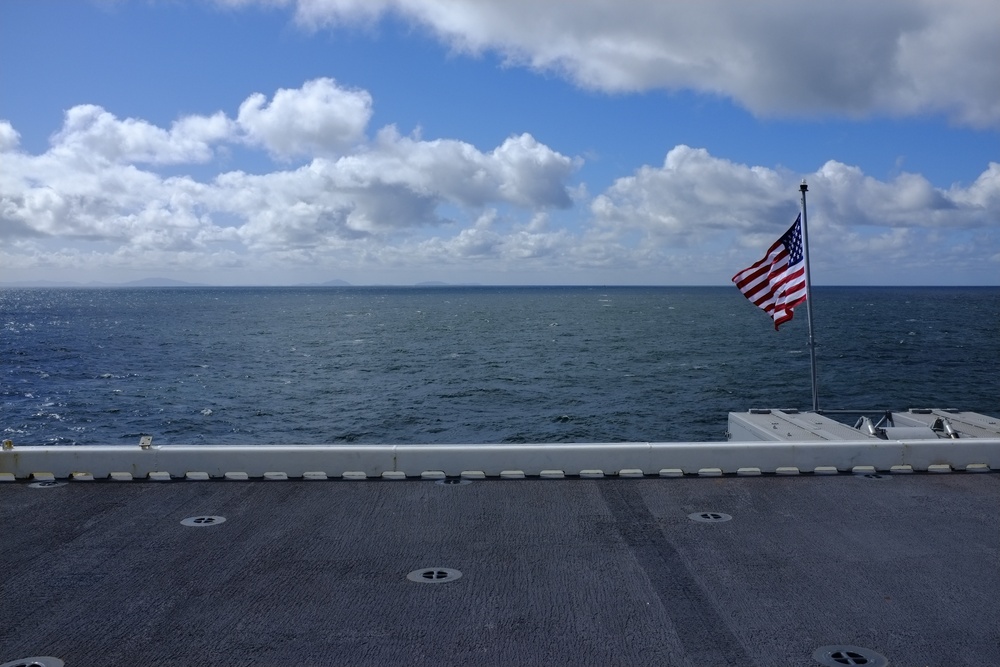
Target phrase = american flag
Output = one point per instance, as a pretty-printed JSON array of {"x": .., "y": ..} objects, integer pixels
[{"x": 777, "y": 283}]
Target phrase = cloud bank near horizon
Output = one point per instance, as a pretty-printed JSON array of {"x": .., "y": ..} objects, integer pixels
[{"x": 344, "y": 200}]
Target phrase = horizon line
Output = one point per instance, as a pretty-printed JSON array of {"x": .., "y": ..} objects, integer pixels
[{"x": 176, "y": 284}]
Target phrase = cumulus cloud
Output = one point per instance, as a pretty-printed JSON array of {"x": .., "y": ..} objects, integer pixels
[
  {"x": 526, "y": 245},
  {"x": 9, "y": 137},
  {"x": 320, "y": 118},
  {"x": 102, "y": 195},
  {"x": 695, "y": 199},
  {"x": 98, "y": 181},
  {"x": 521, "y": 171},
  {"x": 694, "y": 193},
  {"x": 775, "y": 57},
  {"x": 395, "y": 184},
  {"x": 691, "y": 195},
  {"x": 90, "y": 132}
]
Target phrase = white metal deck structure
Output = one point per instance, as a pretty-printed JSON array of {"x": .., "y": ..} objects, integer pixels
[{"x": 781, "y": 552}]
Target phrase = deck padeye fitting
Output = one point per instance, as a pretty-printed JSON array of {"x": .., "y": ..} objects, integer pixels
[
  {"x": 202, "y": 521},
  {"x": 434, "y": 575}
]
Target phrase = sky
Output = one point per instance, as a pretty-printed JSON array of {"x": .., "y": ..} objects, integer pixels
[{"x": 506, "y": 142}]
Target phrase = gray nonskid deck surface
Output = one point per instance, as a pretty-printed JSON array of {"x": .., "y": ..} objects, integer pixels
[{"x": 574, "y": 572}]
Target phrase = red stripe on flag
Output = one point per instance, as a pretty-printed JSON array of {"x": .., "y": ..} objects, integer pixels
[{"x": 772, "y": 284}]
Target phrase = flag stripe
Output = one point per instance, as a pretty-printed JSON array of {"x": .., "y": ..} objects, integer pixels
[{"x": 777, "y": 283}]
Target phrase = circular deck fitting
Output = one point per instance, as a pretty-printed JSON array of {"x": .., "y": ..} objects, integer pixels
[
  {"x": 202, "y": 521},
  {"x": 45, "y": 484},
  {"x": 709, "y": 517},
  {"x": 37, "y": 661},
  {"x": 434, "y": 575},
  {"x": 453, "y": 481},
  {"x": 839, "y": 656}
]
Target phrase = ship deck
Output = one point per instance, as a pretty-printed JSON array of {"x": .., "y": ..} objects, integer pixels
[{"x": 572, "y": 571}]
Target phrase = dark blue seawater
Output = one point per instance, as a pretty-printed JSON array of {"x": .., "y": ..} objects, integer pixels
[{"x": 470, "y": 365}]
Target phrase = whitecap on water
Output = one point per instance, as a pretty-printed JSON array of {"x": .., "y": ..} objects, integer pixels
[{"x": 206, "y": 411}]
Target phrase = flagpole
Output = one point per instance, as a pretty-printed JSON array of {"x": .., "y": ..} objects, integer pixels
[{"x": 809, "y": 313}]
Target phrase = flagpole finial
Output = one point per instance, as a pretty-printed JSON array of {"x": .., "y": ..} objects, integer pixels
[{"x": 803, "y": 187}]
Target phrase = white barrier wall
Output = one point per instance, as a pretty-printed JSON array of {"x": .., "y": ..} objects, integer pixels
[{"x": 512, "y": 460}]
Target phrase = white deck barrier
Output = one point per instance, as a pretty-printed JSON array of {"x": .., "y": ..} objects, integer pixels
[{"x": 504, "y": 460}]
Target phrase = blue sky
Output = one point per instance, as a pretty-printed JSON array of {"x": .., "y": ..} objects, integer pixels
[{"x": 496, "y": 141}]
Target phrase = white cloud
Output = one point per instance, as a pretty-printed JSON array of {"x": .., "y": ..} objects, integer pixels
[
  {"x": 98, "y": 197},
  {"x": 688, "y": 210},
  {"x": 520, "y": 171},
  {"x": 695, "y": 193},
  {"x": 9, "y": 137},
  {"x": 395, "y": 184},
  {"x": 98, "y": 182},
  {"x": 526, "y": 246},
  {"x": 775, "y": 57},
  {"x": 692, "y": 195},
  {"x": 320, "y": 118},
  {"x": 91, "y": 133}
]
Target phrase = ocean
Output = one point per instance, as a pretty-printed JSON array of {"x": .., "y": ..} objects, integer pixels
[{"x": 469, "y": 365}]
